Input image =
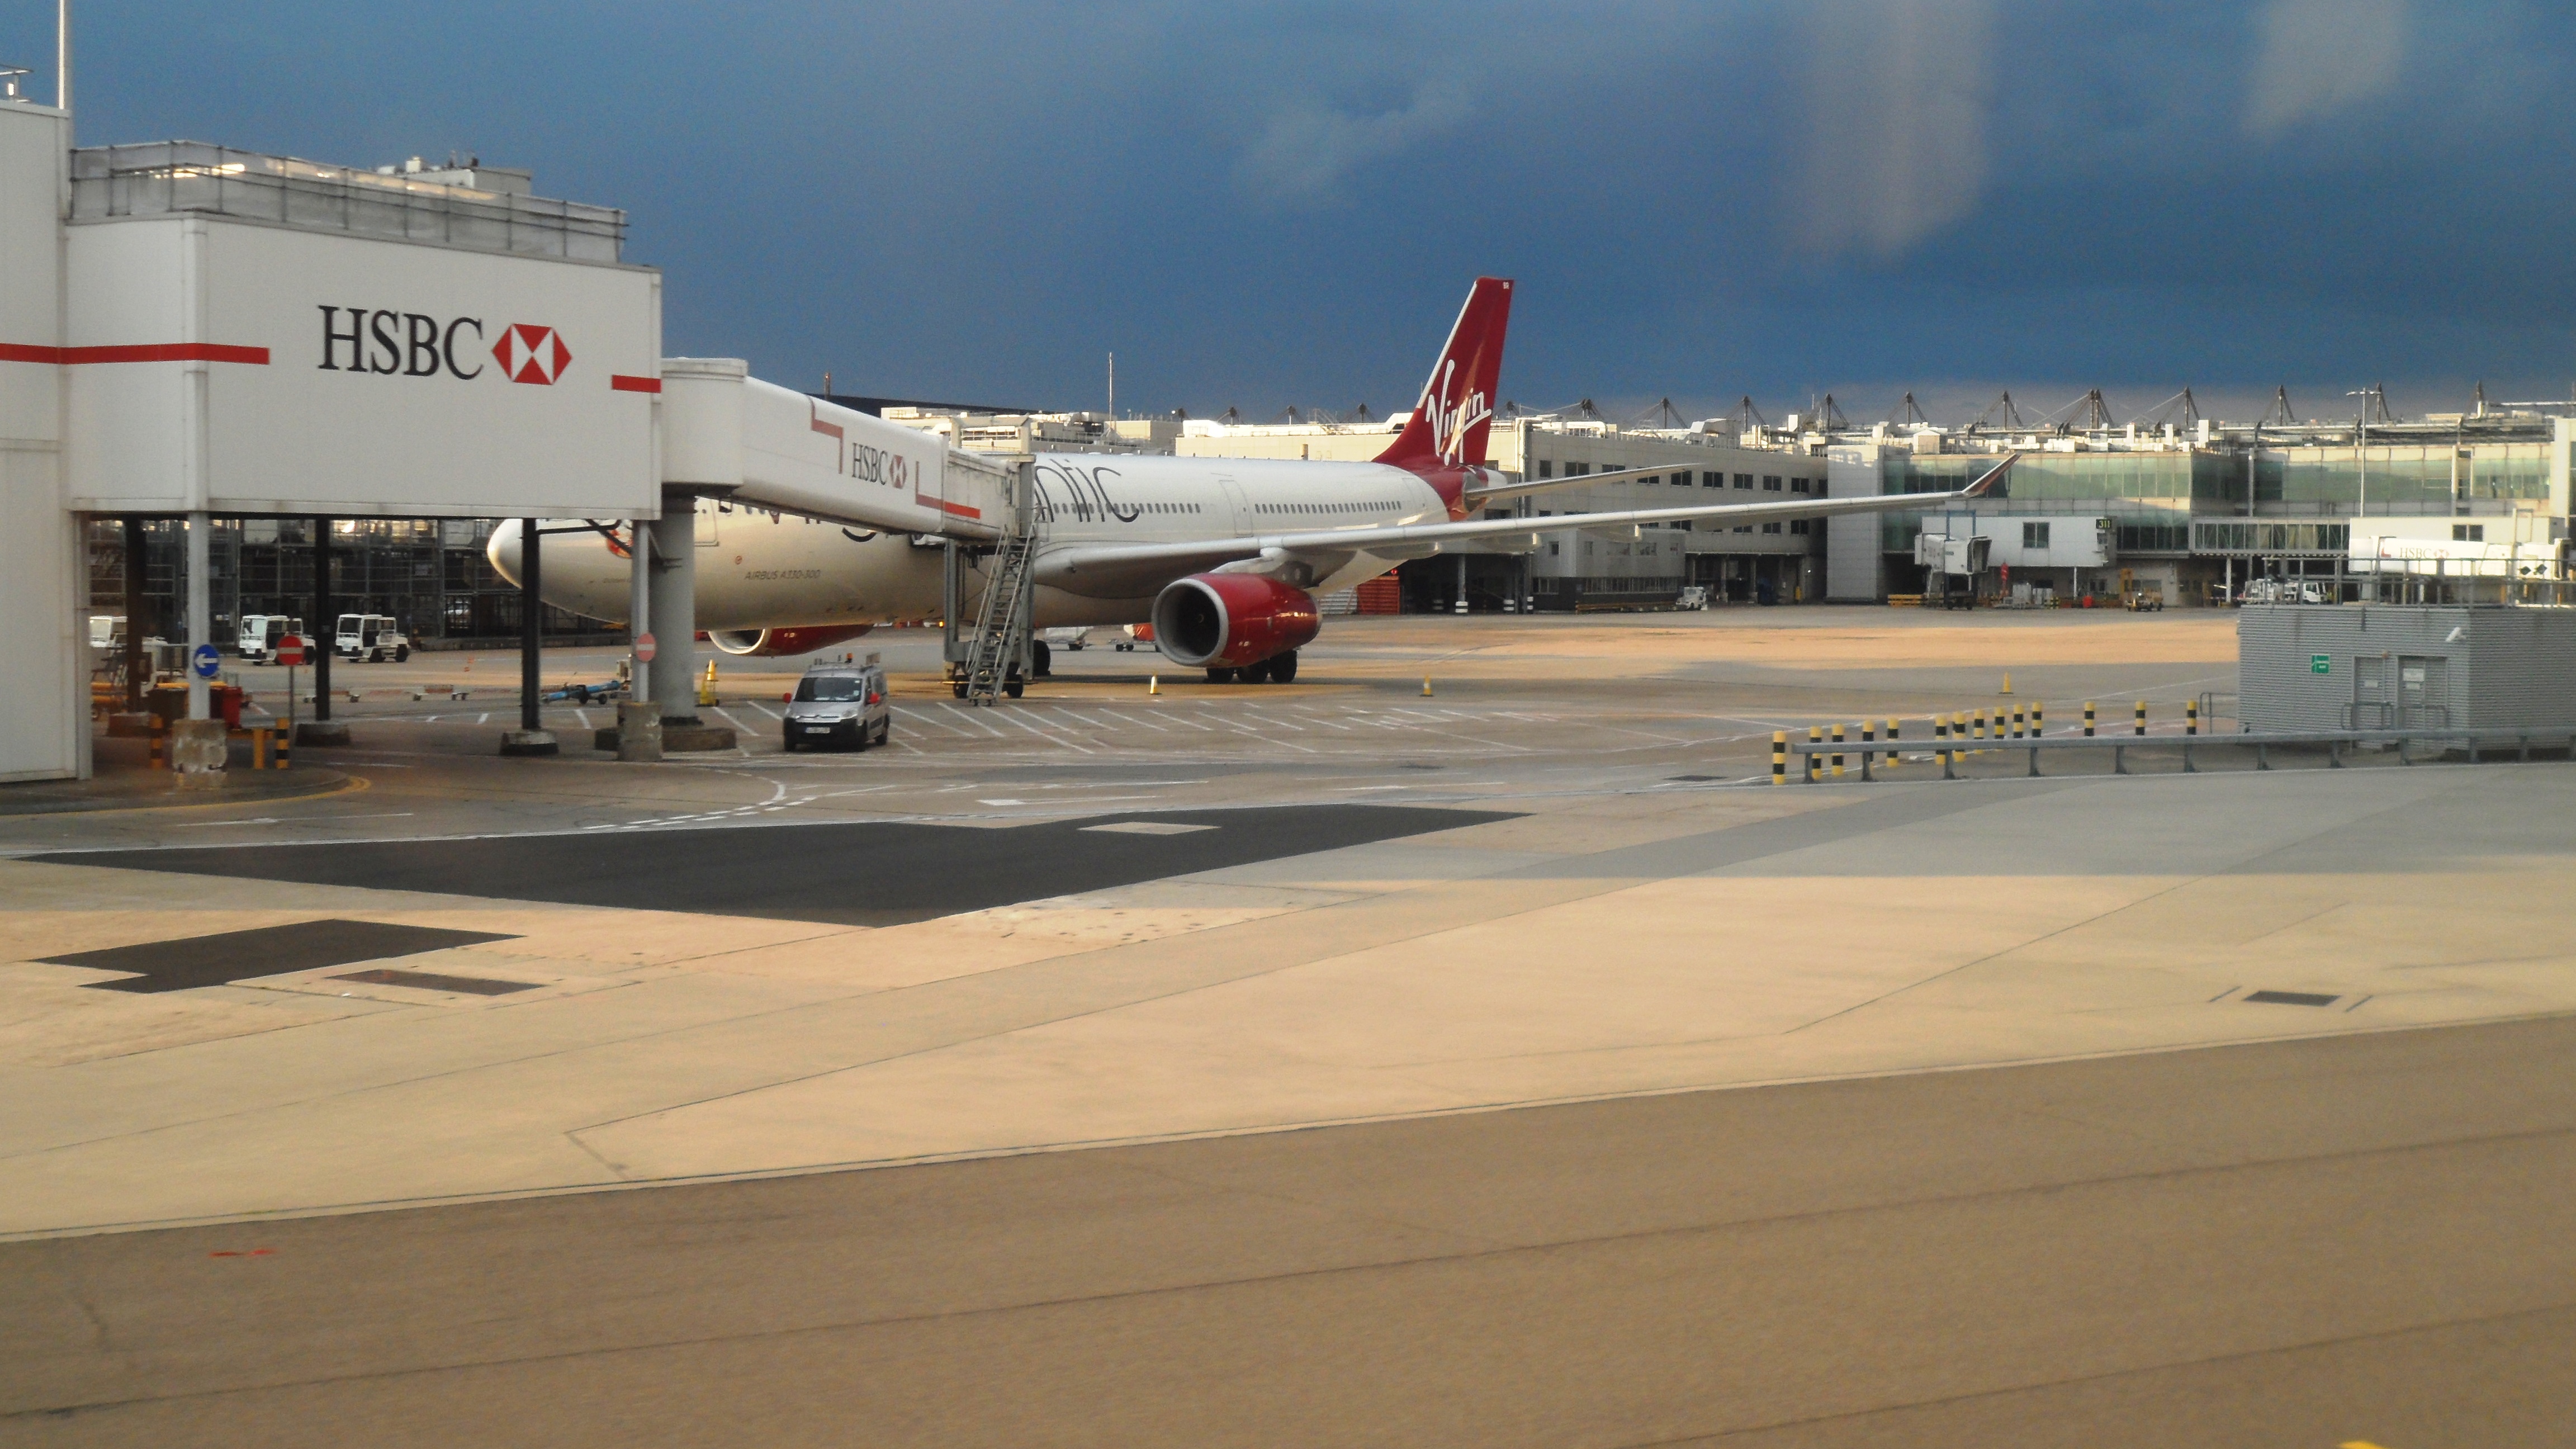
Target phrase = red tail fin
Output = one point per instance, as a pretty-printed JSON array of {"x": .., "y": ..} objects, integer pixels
[{"x": 1450, "y": 423}]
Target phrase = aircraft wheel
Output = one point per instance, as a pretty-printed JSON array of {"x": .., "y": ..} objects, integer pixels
[
  {"x": 1257, "y": 672},
  {"x": 1042, "y": 661},
  {"x": 1014, "y": 687},
  {"x": 1283, "y": 668}
]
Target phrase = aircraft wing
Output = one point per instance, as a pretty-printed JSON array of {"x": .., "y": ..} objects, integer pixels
[
  {"x": 1527, "y": 486},
  {"x": 1112, "y": 570}
]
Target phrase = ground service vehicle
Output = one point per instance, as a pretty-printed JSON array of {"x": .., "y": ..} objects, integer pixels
[
  {"x": 842, "y": 705},
  {"x": 260, "y": 633},
  {"x": 374, "y": 638}
]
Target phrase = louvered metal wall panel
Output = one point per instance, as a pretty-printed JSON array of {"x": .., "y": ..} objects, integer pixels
[{"x": 2508, "y": 667}]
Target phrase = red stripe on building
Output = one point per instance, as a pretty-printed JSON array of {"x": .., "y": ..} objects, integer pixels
[
  {"x": 140, "y": 352},
  {"x": 622, "y": 383}
]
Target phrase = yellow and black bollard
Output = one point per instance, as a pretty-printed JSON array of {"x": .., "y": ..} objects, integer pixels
[
  {"x": 1892, "y": 756},
  {"x": 2088, "y": 719},
  {"x": 2142, "y": 716},
  {"x": 159, "y": 726},
  {"x": 1779, "y": 757},
  {"x": 2017, "y": 721},
  {"x": 285, "y": 741},
  {"x": 1981, "y": 726},
  {"x": 2191, "y": 717},
  {"x": 1838, "y": 751},
  {"x": 1807, "y": 770},
  {"x": 1941, "y": 744},
  {"x": 1868, "y": 737},
  {"x": 2038, "y": 717}
]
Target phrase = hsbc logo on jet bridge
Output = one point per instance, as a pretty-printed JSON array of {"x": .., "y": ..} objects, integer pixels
[{"x": 414, "y": 344}]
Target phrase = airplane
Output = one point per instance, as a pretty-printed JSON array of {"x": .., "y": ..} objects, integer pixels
[{"x": 1223, "y": 557}]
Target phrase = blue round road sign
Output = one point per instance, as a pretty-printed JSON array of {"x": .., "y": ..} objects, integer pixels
[{"x": 205, "y": 661}]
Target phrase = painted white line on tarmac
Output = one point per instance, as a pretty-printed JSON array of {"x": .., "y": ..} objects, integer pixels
[{"x": 1149, "y": 724}]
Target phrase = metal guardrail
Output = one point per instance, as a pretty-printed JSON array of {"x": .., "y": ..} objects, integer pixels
[{"x": 2119, "y": 745}]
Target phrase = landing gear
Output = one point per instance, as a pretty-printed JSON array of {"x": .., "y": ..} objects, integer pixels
[
  {"x": 1219, "y": 674},
  {"x": 1283, "y": 668},
  {"x": 1257, "y": 672},
  {"x": 1043, "y": 662},
  {"x": 1014, "y": 685}
]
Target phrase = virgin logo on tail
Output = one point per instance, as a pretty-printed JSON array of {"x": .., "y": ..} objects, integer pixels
[{"x": 1450, "y": 425}]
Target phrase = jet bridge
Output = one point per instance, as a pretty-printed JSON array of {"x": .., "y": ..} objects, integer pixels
[{"x": 729, "y": 435}]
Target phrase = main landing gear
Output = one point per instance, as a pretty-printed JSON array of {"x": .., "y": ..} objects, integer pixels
[{"x": 1277, "y": 669}]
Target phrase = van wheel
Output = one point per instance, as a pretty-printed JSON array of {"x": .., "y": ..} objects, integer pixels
[{"x": 885, "y": 731}]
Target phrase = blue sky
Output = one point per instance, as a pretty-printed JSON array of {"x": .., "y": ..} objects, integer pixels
[{"x": 1264, "y": 204}]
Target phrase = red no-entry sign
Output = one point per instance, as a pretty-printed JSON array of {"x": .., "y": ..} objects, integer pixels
[
  {"x": 290, "y": 650},
  {"x": 644, "y": 647}
]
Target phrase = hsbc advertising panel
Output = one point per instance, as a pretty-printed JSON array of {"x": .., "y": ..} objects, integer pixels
[{"x": 253, "y": 369}]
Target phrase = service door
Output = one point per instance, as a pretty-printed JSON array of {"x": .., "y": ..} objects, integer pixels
[
  {"x": 2374, "y": 700},
  {"x": 2423, "y": 691}
]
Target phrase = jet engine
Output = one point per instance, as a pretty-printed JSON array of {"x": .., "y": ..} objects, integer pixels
[
  {"x": 769, "y": 643},
  {"x": 1227, "y": 621}
]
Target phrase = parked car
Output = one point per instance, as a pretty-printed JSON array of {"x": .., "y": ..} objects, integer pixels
[{"x": 840, "y": 705}]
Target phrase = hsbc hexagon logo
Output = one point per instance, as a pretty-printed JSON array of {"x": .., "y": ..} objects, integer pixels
[{"x": 529, "y": 353}]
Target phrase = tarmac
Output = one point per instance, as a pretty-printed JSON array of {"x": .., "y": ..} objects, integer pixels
[{"x": 1318, "y": 1063}]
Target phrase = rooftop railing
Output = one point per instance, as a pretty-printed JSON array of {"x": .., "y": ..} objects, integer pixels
[{"x": 171, "y": 177}]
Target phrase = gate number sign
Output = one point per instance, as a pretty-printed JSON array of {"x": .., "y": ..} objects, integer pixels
[{"x": 2320, "y": 663}]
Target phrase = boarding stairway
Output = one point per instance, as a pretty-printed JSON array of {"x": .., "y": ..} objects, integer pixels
[{"x": 995, "y": 657}]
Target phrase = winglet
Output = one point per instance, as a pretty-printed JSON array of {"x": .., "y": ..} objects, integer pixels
[
  {"x": 1993, "y": 476},
  {"x": 1450, "y": 424}
]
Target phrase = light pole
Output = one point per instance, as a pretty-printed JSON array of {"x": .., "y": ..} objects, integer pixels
[{"x": 2361, "y": 446}]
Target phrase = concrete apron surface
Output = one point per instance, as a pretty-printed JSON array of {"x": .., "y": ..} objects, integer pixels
[{"x": 1597, "y": 946}]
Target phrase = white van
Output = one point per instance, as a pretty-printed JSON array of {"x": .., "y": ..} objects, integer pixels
[
  {"x": 371, "y": 637},
  {"x": 260, "y": 633}
]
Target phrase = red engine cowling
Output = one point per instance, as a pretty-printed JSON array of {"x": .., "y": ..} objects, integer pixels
[
  {"x": 1231, "y": 620},
  {"x": 769, "y": 643}
]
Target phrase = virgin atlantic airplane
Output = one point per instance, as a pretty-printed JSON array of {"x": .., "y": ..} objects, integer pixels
[{"x": 1223, "y": 556}]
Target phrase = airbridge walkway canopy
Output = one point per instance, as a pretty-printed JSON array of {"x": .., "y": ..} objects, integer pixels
[{"x": 189, "y": 330}]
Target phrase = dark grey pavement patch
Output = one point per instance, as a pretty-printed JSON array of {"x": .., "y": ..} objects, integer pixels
[
  {"x": 230, "y": 956},
  {"x": 872, "y": 874}
]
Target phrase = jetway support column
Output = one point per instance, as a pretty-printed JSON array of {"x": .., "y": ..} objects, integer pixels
[
  {"x": 675, "y": 609},
  {"x": 138, "y": 677},
  {"x": 324, "y": 627},
  {"x": 201, "y": 625},
  {"x": 639, "y": 608},
  {"x": 530, "y": 738}
]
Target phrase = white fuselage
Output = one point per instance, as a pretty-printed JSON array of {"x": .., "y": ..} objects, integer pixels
[{"x": 758, "y": 569}]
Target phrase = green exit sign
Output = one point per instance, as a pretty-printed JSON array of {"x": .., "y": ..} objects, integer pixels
[{"x": 2321, "y": 664}]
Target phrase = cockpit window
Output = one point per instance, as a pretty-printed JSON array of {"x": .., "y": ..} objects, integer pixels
[{"x": 831, "y": 688}]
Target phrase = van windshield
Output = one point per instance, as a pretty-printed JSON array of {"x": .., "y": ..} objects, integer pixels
[{"x": 828, "y": 688}]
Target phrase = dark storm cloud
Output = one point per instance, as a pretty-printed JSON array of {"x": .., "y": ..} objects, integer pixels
[{"x": 1259, "y": 205}]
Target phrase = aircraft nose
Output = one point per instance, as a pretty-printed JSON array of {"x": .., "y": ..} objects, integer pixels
[{"x": 503, "y": 550}]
